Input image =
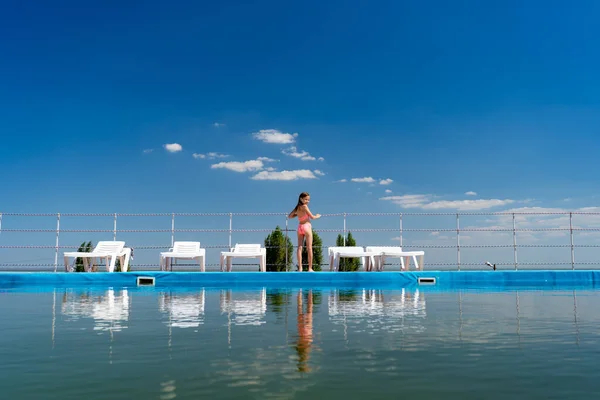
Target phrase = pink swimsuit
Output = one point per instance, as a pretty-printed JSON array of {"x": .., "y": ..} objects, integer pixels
[{"x": 304, "y": 225}]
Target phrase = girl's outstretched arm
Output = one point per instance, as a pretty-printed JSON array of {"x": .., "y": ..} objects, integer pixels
[{"x": 310, "y": 215}]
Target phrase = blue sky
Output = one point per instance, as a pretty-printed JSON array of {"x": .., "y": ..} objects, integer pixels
[
  {"x": 484, "y": 97},
  {"x": 435, "y": 99}
]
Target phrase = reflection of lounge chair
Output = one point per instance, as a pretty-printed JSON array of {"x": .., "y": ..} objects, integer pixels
[
  {"x": 183, "y": 250},
  {"x": 248, "y": 309},
  {"x": 107, "y": 250},
  {"x": 335, "y": 253},
  {"x": 109, "y": 310},
  {"x": 185, "y": 311},
  {"x": 383, "y": 252},
  {"x": 244, "y": 251},
  {"x": 378, "y": 310}
]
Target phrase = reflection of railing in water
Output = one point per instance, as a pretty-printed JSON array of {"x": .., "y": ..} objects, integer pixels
[
  {"x": 184, "y": 310},
  {"x": 358, "y": 310}
]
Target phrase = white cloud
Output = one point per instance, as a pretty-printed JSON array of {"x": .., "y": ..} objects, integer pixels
[
  {"x": 367, "y": 179},
  {"x": 284, "y": 175},
  {"x": 388, "y": 191},
  {"x": 425, "y": 202},
  {"x": 240, "y": 166},
  {"x": 319, "y": 172},
  {"x": 210, "y": 156},
  {"x": 303, "y": 155},
  {"x": 275, "y": 136},
  {"x": 409, "y": 200},
  {"x": 342, "y": 180},
  {"x": 466, "y": 205},
  {"x": 266, "y": 159},
  {"x": 320, "y": 159},
  {"x": 471, "y": 193},
  {"x": 218, "y": 125},
  {"x": 148, "y": 151},
  {"x": 385, "y": 181},
  {"x": 173, "y": 147}
]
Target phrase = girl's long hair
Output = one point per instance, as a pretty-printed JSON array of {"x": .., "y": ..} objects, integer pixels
[{"x": 302, "y": 196}]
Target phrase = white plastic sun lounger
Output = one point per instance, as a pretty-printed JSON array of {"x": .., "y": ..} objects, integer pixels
[
  {"x": 383, "y": 252},
  {"x": 107, "y": 250},
  {"x": 336, "y": 253},
  {"x": 245, "y": 251},
  {"x": 183, "y": 250}
]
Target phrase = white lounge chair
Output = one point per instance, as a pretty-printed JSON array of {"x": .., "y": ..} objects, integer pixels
[
  {"x": 245, "y": 251},
  {"x": 183, "y": 250},
  {"x": 336, "y": 253},
  {"x": 107, "y": 250},
  {"x": 383, "y": 252}
]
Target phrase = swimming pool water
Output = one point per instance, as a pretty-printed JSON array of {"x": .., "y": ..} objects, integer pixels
[{"x": 159, "y": 343}]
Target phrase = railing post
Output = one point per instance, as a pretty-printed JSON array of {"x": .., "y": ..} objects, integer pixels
[
  {"x": 401, "y": 229},
  {"x": 115, "y": 227},
  {"x": 286, "y": 241},
  {"x": 230, "y": 228},
  {"x": 458, "y": 241},
  {"x": 344, "y": 236},
  {"x": 514, "y": 240},
  {"x": 572, "y": 243},
  {"x": 57, "y": 238},
  {"x": 172, "y": 229}
]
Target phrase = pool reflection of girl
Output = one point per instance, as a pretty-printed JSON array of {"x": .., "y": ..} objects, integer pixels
[{"x": 305, "y": 332}]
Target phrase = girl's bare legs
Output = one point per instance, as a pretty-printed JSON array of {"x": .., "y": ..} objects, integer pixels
[
  {"x": 299, "y": 251},
  {"x": 309, "y": 250}
]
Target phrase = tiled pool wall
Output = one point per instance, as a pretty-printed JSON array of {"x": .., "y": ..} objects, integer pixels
[{"x": 437, "y": 279}]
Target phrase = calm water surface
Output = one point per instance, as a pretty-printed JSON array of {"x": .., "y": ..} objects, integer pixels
[{"x": 298, "y": 344}]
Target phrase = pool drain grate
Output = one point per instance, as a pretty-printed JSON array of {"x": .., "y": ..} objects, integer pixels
[
  {"x": 426, "y": 281},
  {"x": 145, "y": 281}
]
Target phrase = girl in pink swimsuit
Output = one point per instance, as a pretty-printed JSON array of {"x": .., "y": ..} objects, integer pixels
[{"x": 304, "y": 228}]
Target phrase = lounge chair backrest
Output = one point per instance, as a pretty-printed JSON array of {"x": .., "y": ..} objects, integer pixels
[
  {"x": 186, "y": 247},
  {"x": 347, "y": 249},
  {"x": 247, "y": 248},
  {"x": 109, "y": 247},
  {"x": 380, "y": 249}
]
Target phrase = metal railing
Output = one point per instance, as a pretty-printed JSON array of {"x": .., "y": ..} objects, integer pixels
[{"x": 553, "y": 226}]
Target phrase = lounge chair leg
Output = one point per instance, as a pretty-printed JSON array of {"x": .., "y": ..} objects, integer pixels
[{"x": 127, "y": 258}]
